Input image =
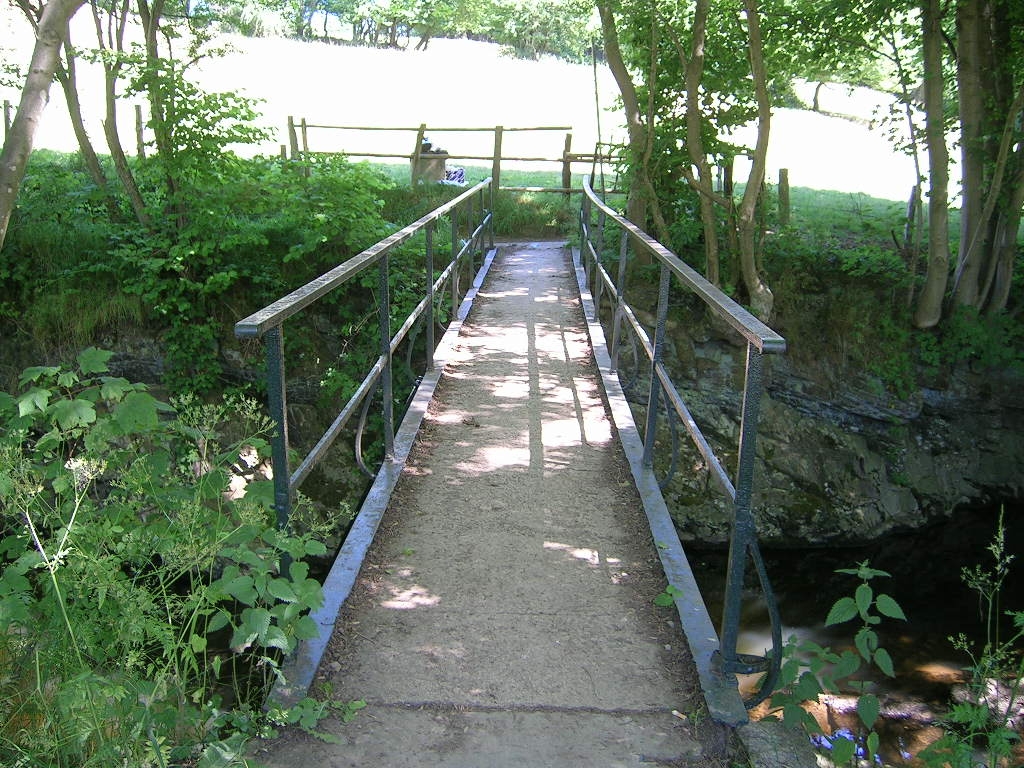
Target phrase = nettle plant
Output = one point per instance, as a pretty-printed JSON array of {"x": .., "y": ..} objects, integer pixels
[
  {"x": 143, "y": 608},
  {"x": 983, "y": 727},
  {"x": 810, "y": 670}
]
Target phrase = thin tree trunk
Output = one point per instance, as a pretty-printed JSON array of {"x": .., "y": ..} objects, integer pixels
[
  {"x": 693, "y": 66},
  {"x": 761, "y": 298},
  {"x": 67, "y": 76},
  {"x": 113, "y": 43},
  {"x": 35, "y": 95},
  {"x": 636, "y": 209},
  {"x": 929, "y": 303}
]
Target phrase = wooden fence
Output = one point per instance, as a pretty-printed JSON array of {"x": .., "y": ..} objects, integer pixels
[{"x": 429, "y": 165}]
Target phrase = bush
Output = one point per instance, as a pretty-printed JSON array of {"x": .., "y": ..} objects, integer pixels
[{"x": 143, "y": 607}]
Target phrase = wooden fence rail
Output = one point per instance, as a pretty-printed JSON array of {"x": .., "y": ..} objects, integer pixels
[{"x": 429, "y": 165}]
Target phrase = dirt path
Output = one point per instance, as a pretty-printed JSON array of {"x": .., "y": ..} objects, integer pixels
[{"x": 504, "y": 615}]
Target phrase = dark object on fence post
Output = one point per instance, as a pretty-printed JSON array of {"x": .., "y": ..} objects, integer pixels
[
  {"x": 783, "y": 197},
  {"x": 567, "y": 165},
  {"x": 140, "y": 142},
  {"x": 496, "y": 161}
]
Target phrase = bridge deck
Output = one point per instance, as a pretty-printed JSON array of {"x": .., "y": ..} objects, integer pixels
[{"x": 503, "y": 615}]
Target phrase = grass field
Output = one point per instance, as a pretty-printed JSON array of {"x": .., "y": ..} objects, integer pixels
[{"x": 463, "y": 83}]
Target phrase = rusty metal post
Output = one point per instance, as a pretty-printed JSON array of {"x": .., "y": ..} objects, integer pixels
[
  {"x": 273, "y": 342},
  {"x": 620, "y": 290},
  {"x": 456, "y": 266},
  {"x": 659, "y": 352},
  {"x": 744, "y": 532},
  {"x": 429, "y": 315},
  {"x": 387, "y": 390}
]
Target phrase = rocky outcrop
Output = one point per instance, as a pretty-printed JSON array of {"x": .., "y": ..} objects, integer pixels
[{"x": 840, "y": 460}]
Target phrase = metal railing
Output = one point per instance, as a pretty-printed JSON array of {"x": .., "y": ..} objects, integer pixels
[
  {"x": 268, "y": 324},
  {"x": 760, "y": 339}
]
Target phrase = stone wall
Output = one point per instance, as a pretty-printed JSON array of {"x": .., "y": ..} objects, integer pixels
[{"x": 840, "y": 460}]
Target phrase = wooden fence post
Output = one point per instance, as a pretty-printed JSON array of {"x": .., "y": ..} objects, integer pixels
[
  {"x": 496, "y": 161},
  {"x": 784, "y": 197},
  {"x": 416, "y": 156},
  {"x": 293, "y": 140},
  {"x": 140, "y": 142},
  {"x": 567, "y": 165}
]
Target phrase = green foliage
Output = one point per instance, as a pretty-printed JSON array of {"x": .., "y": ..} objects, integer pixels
[
  {"x": 254, "y": 231},
  {"x": 136, "y": 595},
  {"x": 809, "y": 670},
  {"x": 984, "y": 720},
  {"x": 668, "y": 596}
]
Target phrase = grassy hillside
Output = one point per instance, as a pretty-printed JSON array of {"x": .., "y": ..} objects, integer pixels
[{"x": 463, "y": 83}]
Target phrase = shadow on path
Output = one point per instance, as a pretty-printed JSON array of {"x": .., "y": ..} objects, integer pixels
[{"x": 503, "y": 615}]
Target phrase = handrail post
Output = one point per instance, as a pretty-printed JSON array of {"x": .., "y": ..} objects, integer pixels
[
  {"x": 456, "y": 266},
  {"x": 429, "y": 315},
  {"x": 620, "y": 297},
  {"x": 598, "y": 249},
  {"x": 481, "y": 241},
  {"x": 659, "y": 352},
  {"x": 277, "y": 401},
  {"x": 744, "y": 531},
  {"x": 387, "y": 393}
]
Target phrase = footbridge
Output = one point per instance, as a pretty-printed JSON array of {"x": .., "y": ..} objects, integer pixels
[{"x": 494, "y": 601}]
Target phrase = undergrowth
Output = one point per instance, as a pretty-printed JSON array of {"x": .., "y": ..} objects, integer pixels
[{"x": 145, "y": 603}]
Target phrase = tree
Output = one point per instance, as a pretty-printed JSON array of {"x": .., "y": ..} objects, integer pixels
[
  {"x": 990, "y": 91},
  {"x": 51, "y": 31},
  {"x": 694, "y": 65},
  {"x": 929, "y": 303}
]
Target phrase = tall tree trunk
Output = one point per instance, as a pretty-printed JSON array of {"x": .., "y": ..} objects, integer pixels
[
  {"x": 761, "y": 298},
  {"x": 67, "y": 76},
  {"x": 113, "y": 43},
  {"x": 929, "y": 304},
  {"x": 693, "y": 67},
  {"x": 35, "y": 95},
  {"x": 992, "y": 156},
  {"x": 636, "y": 208}
]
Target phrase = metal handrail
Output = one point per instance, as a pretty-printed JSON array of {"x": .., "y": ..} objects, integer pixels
[
  {"x": 760, "y": 340},
  {"x": 267, "y": 323}
]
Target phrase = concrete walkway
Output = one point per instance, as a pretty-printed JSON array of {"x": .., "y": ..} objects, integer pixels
[{"x": 504, "y": 615}]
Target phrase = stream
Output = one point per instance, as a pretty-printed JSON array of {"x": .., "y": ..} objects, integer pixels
[{"x": 926, "y": 581}]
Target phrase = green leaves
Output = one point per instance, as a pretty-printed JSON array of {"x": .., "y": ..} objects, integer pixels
[
  {"x": 163, "y": 580},
  {"x": 842, "y": 610},
  {"x": 137, "y": 412},
  {"x": 92, "y": 361},
  {"x": 668, "y": 597},
  {"x": 811, "y": 670},
  {"x": 889, "y": 607}
]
